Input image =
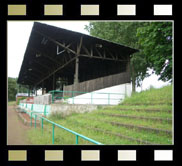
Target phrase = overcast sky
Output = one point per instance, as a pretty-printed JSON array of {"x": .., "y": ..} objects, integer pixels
[{"x": 18, "y": 36}]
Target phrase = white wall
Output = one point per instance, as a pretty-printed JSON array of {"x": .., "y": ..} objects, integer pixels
[{"x": 98, "y": 97}]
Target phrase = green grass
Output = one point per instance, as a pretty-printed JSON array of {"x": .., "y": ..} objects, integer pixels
[
  {"x": 11, "y": 103},
  {"x": 151, "y": 103},
  {"x": 151, "y": 96}
]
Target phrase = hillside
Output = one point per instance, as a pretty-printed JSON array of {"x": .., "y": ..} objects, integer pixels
[{"x": 144, "y": 118}]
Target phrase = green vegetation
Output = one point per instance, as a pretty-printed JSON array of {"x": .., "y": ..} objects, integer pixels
[
  {"x": 102, "y": 127},
  {"x": 11, "y": 103},
  {"x": 14, "y": 88},
  {"x": 161, "y": 97},
  {"x": 153, "y": 39}
]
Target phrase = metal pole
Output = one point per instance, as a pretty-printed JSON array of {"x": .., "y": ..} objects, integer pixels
[
  {"x": 108, "y": 98},
  {"x": 91, "y": 98},
  {"x": 45, "y": 110},
  {"x": 35, "y": 120},
  {"x": 76, "y": 139},
  {"x": 42, "y": 126},
  {"x": 52, "y": 133}
]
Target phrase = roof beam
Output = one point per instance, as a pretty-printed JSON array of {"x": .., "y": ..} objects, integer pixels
[
  {"x": 59, "y": 68},
  {"x": 34, "y": 75},
  {"x": 56, "y": 42},
  {"x": 41, "y": 64},
  {"x": 91, "y": 55},
  {"x": 38, "y": 70},
  {"x": 45, "y": 55}
]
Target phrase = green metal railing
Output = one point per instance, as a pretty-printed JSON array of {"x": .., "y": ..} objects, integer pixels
[
  {"x": 108, "y": 98},
  {"x": 77, "y": 135}
]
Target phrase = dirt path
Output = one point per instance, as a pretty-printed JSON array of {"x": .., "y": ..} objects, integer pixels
[{"x": 16, "y": 130}]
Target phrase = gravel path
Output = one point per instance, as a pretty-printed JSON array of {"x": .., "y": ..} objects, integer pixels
[{"x": 16, "y": 130}]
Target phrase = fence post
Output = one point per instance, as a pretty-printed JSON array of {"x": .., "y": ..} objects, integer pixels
[
  {"x": 52, "y": 133},
  {"x": 35, "y": 120},
  {"x": 108, "y": 98},
  {"x": 76, "y": 139},
  {"x": 42, "y": 126}
]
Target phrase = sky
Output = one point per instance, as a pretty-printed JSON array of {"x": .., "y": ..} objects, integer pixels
[{"x": 18, "y": 36}]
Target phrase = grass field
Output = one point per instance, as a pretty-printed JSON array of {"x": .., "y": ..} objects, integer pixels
[
  {"x": 144, "y": 118},
  {"x": 11, "y": 103}
]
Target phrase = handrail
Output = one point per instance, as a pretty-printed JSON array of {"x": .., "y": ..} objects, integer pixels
[
  {"x": 60, "y": 126},
  {"x": 84, "y": 92},
  {"x": 91, "y": 95}
]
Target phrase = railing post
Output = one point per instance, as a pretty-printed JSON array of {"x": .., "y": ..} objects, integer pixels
[
  {"x": 91, "y": 98},
  {"x": 42, "y": 125},
  {"x": 76, "y": 139},
  {"x": 35, "y": 120},
  {"x": 108, "y": 98},
  {"x": 45, "y": 110},
  {"x": 32, "y": 107},
  {"x": 52, "y": 133}
]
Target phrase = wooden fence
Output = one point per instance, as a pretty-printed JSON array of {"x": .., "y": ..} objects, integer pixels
[{"x": 98, "y": 83}]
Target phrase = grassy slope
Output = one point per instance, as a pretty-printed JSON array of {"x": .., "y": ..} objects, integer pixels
[{"x": 151, "y": 103}]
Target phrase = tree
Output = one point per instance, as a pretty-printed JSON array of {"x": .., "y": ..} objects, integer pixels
[
  {"x": 12, "y": 89},
  {"x": 155, "y": 40},
  {"x": 123, "y": 33}
]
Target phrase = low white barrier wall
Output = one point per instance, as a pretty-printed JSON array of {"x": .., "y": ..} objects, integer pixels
[
  {"x": 107, "y": 96},
  {"x": 43, "y": 99}
]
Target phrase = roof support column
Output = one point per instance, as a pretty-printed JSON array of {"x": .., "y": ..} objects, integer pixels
[
  {"x": 43, "y": 88},
  {"x": 76, "y": 76},
  {"x": 28, "y": 91},
  {"x": 35, "y": 91},
  {"x": 53, "y": 82},
  {"x": 76, "y": 80}
]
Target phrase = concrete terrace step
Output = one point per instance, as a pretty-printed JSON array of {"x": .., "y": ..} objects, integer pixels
[
  {"x": 122, "y": 136},
  {"x": 149, "y": 103},
  {"x": 168, "y": 132},
  {"x": 138, "y": 109},
  {"x": 25, "y": 118},
  {"x": 139, "y": 117}
]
